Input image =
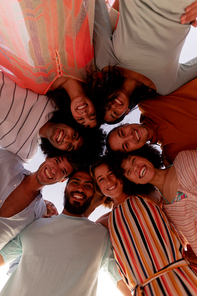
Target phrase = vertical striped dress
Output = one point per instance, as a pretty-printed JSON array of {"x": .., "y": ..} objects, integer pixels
[
  {"x": 183, "y": 213},
  {"x": 44, "y": 39},
  {"x": 143, "y": 244}
]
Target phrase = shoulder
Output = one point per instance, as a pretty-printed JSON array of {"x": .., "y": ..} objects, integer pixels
[{"x": 103, "y": 220}]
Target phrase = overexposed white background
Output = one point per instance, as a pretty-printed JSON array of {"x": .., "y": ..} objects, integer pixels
[{"x": 54, "y": 193}]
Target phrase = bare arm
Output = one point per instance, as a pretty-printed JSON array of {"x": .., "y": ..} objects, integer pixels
[
  {"x": 122, "y": 287},
  {"x": 1, "y": 261},
  {"x": 190, "y": 15}
]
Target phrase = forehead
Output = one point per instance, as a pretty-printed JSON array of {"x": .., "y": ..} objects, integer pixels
[
  {"x": 126, "y": 162},
  {"x": 101, "y": 169},
  {"x": 83, "y": 177}
]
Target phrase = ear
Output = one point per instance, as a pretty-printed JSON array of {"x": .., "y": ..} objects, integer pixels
[{"x": 127, "y": 112}]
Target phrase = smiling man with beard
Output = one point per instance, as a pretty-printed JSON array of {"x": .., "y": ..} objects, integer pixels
[
  {"x": 62, "y": 255},
  {"x": 21, "y": 200}
]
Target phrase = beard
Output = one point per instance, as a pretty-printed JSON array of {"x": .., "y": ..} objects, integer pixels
[{"x": 76, "y": 208}]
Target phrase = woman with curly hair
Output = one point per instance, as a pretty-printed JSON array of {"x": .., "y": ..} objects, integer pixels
[
  {"x": 147, "y": 251},
  {"x": 177, "y": 184}
]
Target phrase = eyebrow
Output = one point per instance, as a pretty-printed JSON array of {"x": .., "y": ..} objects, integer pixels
[
  {"x": 65, "y": 171},
  {"x": 89, "y": 182},
  {"x": 107, "y": 172}
]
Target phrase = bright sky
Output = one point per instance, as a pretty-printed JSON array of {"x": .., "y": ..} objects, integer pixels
[{"x": 54, "y": 193}]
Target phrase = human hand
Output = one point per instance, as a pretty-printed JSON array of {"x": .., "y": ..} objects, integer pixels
[
  {"x": 190, "y": 256},
  {"x": 190, "y": 15},
  {"x": 97, "y": 201},
  {"x": 51, "y": 209}
]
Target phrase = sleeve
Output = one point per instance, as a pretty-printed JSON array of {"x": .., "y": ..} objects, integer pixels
[
  {"x": 187, "y": 72},
  {"x": 102, "y": 35},
  {"x": 39, "y": 208},
  {"x": 109, "y": 263},
  {"x": 12, "y": 250},
  {"x": 186, "y": 169}
]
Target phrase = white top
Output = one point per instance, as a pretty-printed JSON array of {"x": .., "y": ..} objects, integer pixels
[
  {"x": 22, "y": 114},
  {"x": 148, "y": 40},
  {"x": 12, "y": 173},
  {"x": 62, "y": 256}
]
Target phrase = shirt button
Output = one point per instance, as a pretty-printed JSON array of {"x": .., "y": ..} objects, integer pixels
[
  {"x": 1, "y": 201},
  {"x": 14, "y": 185}
]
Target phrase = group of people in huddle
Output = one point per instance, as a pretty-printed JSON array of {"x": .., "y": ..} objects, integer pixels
[{"x": 68, "y": 67}]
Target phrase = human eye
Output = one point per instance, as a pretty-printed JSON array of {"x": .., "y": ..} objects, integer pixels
[
  {"x": 100, "y": 180},
  {"x": 57, "y": 160},
  {"x": 69, "y": 147},
  {"x": 133, "y": 159},
  {"x": 92, "y": 116},
  {"x": 89, "y": 186}
]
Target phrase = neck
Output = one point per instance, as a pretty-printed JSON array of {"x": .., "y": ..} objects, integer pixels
[
  {"x": 65, "y": 212},
  {"x": 159, "y": 178},
  {"x": 150, "y": 132},
  {"x": 74, "y": 88},
  {"x": 32, "y": 183},
  {"x": 121, "y": 198},
  {"x": 44, "y": 129}
]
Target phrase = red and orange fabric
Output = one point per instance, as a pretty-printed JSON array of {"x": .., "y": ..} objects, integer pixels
[{"x": 45, "y": 39}]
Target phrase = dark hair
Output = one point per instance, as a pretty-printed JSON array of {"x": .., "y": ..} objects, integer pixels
[
  {"x": 149, "y": 152},
  {"x": 128, "y": 187},
  {"x": 105, "y": 90},
  {"x": 62, "y": 100},
  {"x": 93, "y": 141}
]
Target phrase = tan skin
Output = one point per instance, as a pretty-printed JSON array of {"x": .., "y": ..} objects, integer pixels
[
  {"x": 86, "y": 114},
  {"x": 133, "y": 79},
  {"x": 165, "y": 180},
  {"x": 82, "y": 182},
  {"x": 29, "y": 188}
]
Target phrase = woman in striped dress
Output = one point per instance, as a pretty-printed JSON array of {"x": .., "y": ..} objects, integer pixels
[
  {"x": 143, "y": 240},
  {"x": 177, "y": 184}
]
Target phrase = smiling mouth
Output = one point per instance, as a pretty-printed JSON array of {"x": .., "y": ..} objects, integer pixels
[
  {"x": 48, "y": 174},
  {"x": 78, "y": 196},
  {"x": 112, "y": 187},
  {"x": 118, "y": 101},
  {"x": 142, "y": 171},
  {"x": 137, "y": 137},
  {"x": 81, "y": 107},
  {"x": 59, "y": 136}
]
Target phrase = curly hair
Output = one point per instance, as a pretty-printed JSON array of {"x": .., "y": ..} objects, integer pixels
[
  {"x": 105, "y": 89},
  {"x": 148, "y": 151},
  {"x": 128, "y": 187},
  {"x": 92, "y": 147}
]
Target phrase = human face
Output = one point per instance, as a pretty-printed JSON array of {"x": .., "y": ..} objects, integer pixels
[
  {"x": 79, "y": 193},
  {"x": 128, "y": 137},
  {"x": 107, "y": 181},
  {"x": 116, "y": 108},
  {"x": 83, "y": 111},
  {"x": 53, "y": 170},
  {"x": 64, "y": 137},
  {"x": 138, "y": 169}
]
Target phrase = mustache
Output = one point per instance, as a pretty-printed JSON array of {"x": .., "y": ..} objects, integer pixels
[{"x": 79, "y": 192}]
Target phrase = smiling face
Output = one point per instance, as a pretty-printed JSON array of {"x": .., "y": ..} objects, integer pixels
[
  {"x": 116, "y": 108},
  {"x": 128, "y": 137},
  {"x": 138, "y": 169},
  {"x": 53, "y": 170},
  {"x": 107, "y": 181},
  {"x": 83, "y": 111},
  {"x": 64, "y": 137},
  {"x": 79, "y": 193}
]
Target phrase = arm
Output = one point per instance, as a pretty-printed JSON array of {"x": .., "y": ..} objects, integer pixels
[
  {"x": 1, "y": 261},
  {"x": 50, "y": 209},
  {"x": 96, "y": 202},
  {"x": 122, "y": 287},
  {"x": 190, "y": 15},
  {"x": 104, "y": 220}
]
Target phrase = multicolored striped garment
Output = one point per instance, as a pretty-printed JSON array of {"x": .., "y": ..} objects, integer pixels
[
  {"x": 143, "y": 244},
  {"x": 45, "y": 39},
  {"x": 183, "y": 214}
]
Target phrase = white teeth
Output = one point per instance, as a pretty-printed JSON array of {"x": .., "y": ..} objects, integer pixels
[
  {"x": 118, "y": 101},
  {"x": 142, "y": 172},
  {"x": 81, "y": 107},
  {"x": 48, "y": 174},
  {"x": 59, "y": 136},
  {"x": 137, "y": 135},
  {"x": 77, "y": 196},
  {"x": 112, "y": 187}
]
